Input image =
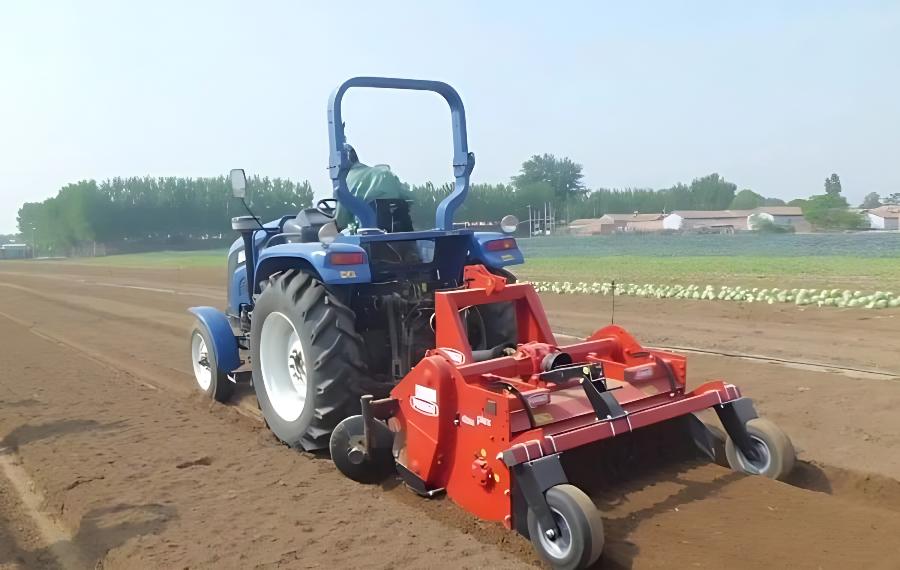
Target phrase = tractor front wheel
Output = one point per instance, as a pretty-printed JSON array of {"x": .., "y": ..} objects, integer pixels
[
  {"x": 210, "y": 378},
  {"x": 775, "y": 451},
  {"x": 307, "y": 359},
  {"x": 578, "y": 540}
]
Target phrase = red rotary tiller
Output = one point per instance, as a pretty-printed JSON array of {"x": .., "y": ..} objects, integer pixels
[{"x": 491, "y": 433}]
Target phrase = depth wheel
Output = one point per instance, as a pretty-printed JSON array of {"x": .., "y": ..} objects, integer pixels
[
  {"x": 371, "y": 468},
  {"x": 777, "y": 455},
  {"x": 579, "y": 542},
  {"x": 213, "y": 381}
]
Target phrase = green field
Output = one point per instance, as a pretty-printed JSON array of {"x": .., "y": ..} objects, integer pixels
[
  {"x": 748, "y": 244},
  {"x": 747, "y": 271},
  {"x": 855, "y": 261},
  {"x": 167, "y": 259},
  {"x": 868, "y": 261}
]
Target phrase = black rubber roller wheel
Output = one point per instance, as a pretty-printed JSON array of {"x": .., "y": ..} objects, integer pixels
[
  {"x": 578, "y": 540},
  {"x": 308, "y": 366},
  {"x": 346, "y": 445},
  {"x": 776, "y": 452}
]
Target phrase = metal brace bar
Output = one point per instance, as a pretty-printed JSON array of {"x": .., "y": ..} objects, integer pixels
[
  {"x": 533, "y": 479},
  {"x": 734, "y": 416},
  {"x": 606, "y": 407}
]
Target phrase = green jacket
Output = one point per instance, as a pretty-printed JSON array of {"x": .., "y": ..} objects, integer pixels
[{"x": 369, "y": 183}]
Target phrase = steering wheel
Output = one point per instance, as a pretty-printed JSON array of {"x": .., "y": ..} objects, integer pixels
[{"x": 327, "y": 207}]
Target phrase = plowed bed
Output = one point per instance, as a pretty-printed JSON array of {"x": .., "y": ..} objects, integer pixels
[{"x": 110, "y": 457}]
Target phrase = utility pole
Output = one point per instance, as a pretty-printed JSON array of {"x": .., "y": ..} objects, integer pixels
[
  {"x": 530, "y": 222},
  {"x": 546, "y": 216},
  {"x": 551, "y": 219}
]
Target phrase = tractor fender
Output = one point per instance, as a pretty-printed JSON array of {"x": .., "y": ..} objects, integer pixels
[
  {"x": 224, "y": 344},
  {"x": 477, "y": 251},
  {"x": 315, "y": 257}
]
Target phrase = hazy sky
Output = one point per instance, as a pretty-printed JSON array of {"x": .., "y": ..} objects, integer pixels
[{"x": 772, "y": 95}]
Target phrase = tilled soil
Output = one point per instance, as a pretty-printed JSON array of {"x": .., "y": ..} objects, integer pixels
[{"x": 111, "y": 459}]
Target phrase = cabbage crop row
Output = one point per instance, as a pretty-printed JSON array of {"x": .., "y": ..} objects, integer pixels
[{"x": 803, "y": 297}]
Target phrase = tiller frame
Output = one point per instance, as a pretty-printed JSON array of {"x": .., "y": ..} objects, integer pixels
[{"x": 491, "y": 433}]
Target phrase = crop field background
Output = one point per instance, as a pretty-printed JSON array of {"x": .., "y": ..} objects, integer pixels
[
  {"x": 166, "y": 259},
  {"x": 871, "y": 245},
  {"x": 865, "y": 261},
  {"x": 854, "y": 261}
]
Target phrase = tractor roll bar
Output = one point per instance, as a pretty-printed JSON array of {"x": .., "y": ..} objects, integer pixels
[{"x": 339, "y": 158}]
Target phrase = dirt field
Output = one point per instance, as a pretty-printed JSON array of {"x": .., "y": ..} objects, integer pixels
[{"x": 111, "y": 459}]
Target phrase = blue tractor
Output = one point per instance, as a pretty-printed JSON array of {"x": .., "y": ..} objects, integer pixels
[{"x": 316, "y": 319}]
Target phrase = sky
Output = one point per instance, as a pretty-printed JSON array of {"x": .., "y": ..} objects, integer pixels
[{"x": 772, "y": 95}]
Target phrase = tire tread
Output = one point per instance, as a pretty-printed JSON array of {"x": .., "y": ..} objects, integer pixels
[{"x": 336, "y": 360}]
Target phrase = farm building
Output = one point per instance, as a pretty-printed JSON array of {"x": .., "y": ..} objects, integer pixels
[
  {"x": 722, "y": 220},
  {"x": 610, "y": 223},
  {"x": 590, "y": 227},
  {"x": 732, "y": 220},
  {"x": 784, "y": 215},
  {"x": 725, "y": 221},
  {"x": 884, "y": 218},
  {"x": 642, "y": 222},
  {"x": 14, "y": 251}
]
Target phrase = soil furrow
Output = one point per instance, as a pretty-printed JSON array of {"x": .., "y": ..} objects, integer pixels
[{"x": 142, "y": 477}]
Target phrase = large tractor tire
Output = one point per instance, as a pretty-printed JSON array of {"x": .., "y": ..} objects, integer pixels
[{"x": 308, "y": 367}]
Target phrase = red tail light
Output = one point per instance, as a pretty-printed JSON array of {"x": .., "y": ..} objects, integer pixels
[
  {"x": 353, "y": 258},
  {"x": 501, "y": 244}
]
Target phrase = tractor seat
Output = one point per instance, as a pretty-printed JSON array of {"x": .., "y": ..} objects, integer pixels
[
  {"x": 392, "y": 215},
  {"x": 307, "y": 224}
]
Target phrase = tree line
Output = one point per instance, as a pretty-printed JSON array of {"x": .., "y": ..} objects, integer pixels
[
  {"x": 546, "y": 179},
  {"x": 128, "y": 214}
]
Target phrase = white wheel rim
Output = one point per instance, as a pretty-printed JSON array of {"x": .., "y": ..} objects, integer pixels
[
  {"x": 559, "y": 547},
  {"x": 283, "y": 366},
  {"x": 756, "y": 467},
  {"x": 200, "y": 360}
]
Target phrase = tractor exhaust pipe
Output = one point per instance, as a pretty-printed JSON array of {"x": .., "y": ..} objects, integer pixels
[
  {"x": 250, "y": 262},
  {"x": 245, "y": 225}
]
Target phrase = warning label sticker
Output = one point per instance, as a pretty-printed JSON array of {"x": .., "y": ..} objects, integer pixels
[
  {"x": 426, "y": 393},
  {"x": 454, "y": 355},
  {"x": 425, "y": 400},
  {"x": 423, "y": 407}
]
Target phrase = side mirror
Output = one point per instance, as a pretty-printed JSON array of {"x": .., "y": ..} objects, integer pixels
[
  {"x": 509, "y": 224},
  {"x": 238, "y": 183}
]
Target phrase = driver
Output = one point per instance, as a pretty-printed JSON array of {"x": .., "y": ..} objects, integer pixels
[{"x": 369, "y": 183}]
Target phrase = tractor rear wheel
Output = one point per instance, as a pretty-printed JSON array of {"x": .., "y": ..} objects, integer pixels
[
  {"x": 776, "y": 452},
  {"x": 578, "y": 540},
  {"x": 307, "y": 359},
  {"x": 210, "y": 378}
]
